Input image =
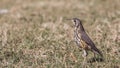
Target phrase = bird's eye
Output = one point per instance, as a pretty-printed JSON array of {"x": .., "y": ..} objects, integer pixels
[{"x": 74, "y": 20}]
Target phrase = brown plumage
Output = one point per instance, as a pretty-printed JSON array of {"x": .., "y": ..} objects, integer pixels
[{"x": 83, "y": 40}]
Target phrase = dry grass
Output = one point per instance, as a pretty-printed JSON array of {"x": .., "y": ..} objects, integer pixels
[{"x": 33, "y": 33}]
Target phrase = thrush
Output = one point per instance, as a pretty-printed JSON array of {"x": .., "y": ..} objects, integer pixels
[{"x": 82, "y": 40}]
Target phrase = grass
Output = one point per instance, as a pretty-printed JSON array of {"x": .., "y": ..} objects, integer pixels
[{"x": 34, "y": 33}]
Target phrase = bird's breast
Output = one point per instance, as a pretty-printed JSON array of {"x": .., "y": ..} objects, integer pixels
[{"x": 81, "y": 43}]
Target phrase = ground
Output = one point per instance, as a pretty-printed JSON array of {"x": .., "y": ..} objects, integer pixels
[{"x": 36, "y": 34}]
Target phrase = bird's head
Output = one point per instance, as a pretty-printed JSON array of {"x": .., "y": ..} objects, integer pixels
[{"x": 76, "y": 22}]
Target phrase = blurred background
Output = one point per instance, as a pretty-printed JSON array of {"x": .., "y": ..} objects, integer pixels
[{"x": 36, "y": 34}]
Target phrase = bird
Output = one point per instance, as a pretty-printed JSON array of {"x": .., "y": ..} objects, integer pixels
[{"x": 82, "y": 39}]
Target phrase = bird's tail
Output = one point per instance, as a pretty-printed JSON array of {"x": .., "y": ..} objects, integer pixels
[{"x": 97, "y": 51}]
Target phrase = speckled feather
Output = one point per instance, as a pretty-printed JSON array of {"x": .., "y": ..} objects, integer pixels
[{"x": 82, "y": 39}]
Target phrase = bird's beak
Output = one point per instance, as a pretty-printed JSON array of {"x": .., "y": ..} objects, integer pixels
[{"x": 69, "y": 19}]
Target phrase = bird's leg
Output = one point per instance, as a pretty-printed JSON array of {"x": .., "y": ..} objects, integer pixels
[
  {"x": 94, "y": 58},
  {"x": 94, "y": 55},
  {"x": 84, "y": 56}
]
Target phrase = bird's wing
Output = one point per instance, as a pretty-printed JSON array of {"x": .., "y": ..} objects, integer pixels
[
  {"x": 86, "y": 38},
  {"x": 90, "y": 43}
]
